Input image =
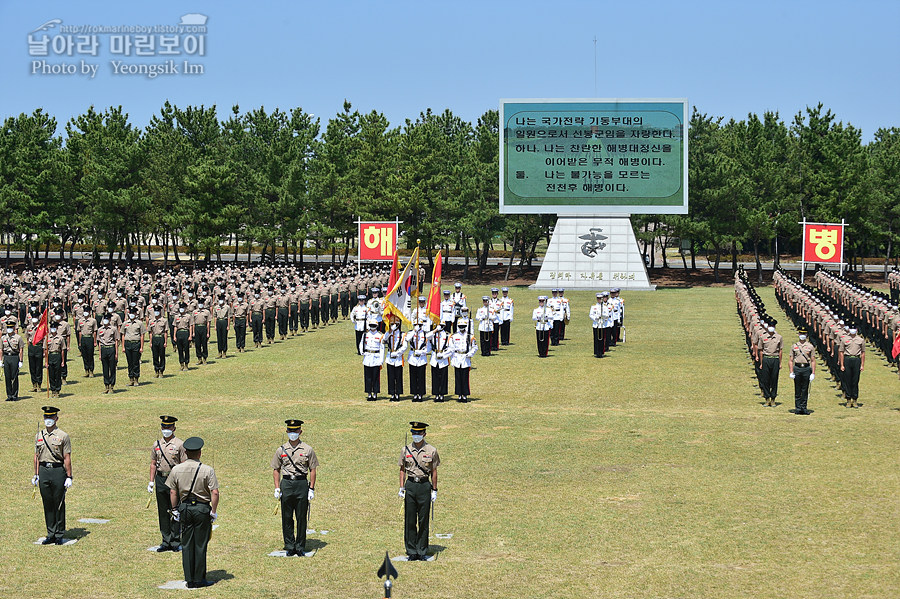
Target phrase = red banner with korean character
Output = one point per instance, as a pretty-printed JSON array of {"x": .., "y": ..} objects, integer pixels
[
  {"x": 823, "y": 243},
  {"x": 377, "y": 241}
]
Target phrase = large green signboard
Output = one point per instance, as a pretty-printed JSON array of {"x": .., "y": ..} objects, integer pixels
[{"x": 593, "y": 157}]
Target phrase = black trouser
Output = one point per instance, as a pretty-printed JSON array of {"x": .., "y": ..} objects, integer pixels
[
  {"x": 607, "y": 337},
  {"x": 543, "y": 341},
  {"x": 282, "y": 321},
  {"x": 617, "y": 331},
  {"x": 485, "y": 338},
  {"x": 109, "y": 360},
  {"x": 133, "y": 358},
  {"x": 325, "y": 310},
  {"x": 294, "y": 506},
  {"x": 54, "y": 371},
  {"x": 171, "y": 530},
  {"x": 196, "y": 525},
  {"x": 36, "y": 364},
  {"x": 53, "y": 496},
  {"x": 504, "y": 332},
  {"x": 372, "y": 379},
  {"x": 11, "y": 375},
  {"x": 293, "y": 317},
  {"x": 461, "y": 380},
  {"x": 495, "y": 337},
  {"x": 171, "y": 320},
  {"x": 417, "y": 506},
  {"x": 87, "y": 353},
  {"x": 64, "y": 367},
  {"x": 256, "y": 325},
  {"x": 201, "y": 342},
  {"x": 851, "y": 376},
  {"x": 801, "y": 386},
  {"x": 222, "y": 334},
  {"x": 395, "y": 380},
  {"x": 345, "y": 303},
  {"x": 304, "y": 316},
  {"x": 562, "y": 329},
  {"x": 158, "y": 348},
  {"x": 314, "y": 313},
  {"x": 768, "y": 376},
  {"x": 598, "y": 342},
  {"x": 554, "y": 332},
  {"x": 439, "y": 380},
  {"x": 334, "y": 306},
  {"x": 359, "y": 336},
  {"x": 270, "y": 323},
  {"x": 240, "y": 333},
  {"x": 417, "y": 379},
  {"x": 183, "y": 344}
]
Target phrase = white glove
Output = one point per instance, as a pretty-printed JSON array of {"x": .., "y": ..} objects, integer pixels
[
  {"x": 20, "y": 364},
  {"x": 176, "y": 516},
  {"x": 277, "y": 493},
  {"x": 433, "y": 495},
  {"x": 402, "y": 493},
  {"x": 394, "y": 355},
  {"x": 812, "y": 377},
  {"x": 34, "y": 480},
  {"x": 311, "y": 495},
  {"x": 150, "y": 486},
  {"x": 67, "y": 483},
  {"x": 792, "y": 375},
  {"x": 213, "y": 516}
]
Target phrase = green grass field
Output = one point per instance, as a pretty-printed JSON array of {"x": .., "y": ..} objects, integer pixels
[{"x": 654, "y": 472}]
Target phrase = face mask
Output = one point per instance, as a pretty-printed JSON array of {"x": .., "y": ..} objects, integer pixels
[
  {"x": 86, "y": 313},
  {"x": 771, "y": 329},
  {"x": 133, "y": 304},
  {"x": 221, "y": 302},
  {"x": 394, "y": 327},
  {"x": 52, "y": 329},
  {"x": 6, "y": 312},
  {"x": 293, "y": 436},
  {"x": 57, "y": 318},
  {"x": 852, "y": 331},
  {"x": 9, "y": 331},
  {"x": 181, "y": 310},
  {"x": 418, "y": 327},
  {"x": 156, "y": 312},
  {"x": 48, "y": 422},
  {"x": 118, "y": 295},
  {"x": 34, "y": 321},
  {"x": 105, "y": 321},
  {"x": 55, "y": 304},
  {"x": 417, "y": 438},
  {"x": 110, "y": 310},
  {"x": 167, "y": 432},
  {"x": 802, "y": 337},
  {"x": 153, "y": 300}
]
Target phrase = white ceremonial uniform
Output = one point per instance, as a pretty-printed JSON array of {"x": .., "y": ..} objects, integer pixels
[
  {"x": 485, "y": 319},
  {"x": 358, "y": 315},
  {"x": 543, "y": 318},
  {"x": 464, "y": 347},
  {"x": 459, "y": 301},
  {"x": 419, "y": 347},
  {"x": 394, "y": 345},
  {"x": 448, "y": 311},
  {"x": 506, "y": 308},
  {"x": 440, "y": 348},
  {"x": 372, "y": 348},
  {"x": 375, "y": 310}
]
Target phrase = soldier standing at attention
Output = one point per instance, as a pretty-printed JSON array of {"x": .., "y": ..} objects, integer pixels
[
  {"x": 257, "y": 305},
  {"x": 554, "y": 304},
  {"x": 485, "y": 325},
  {"x": 598, "y": 314},
  {"x": 55, "y": 347},
  {"x": 419, "y": 346},
  {"x": 108, "y": 340},
  {"x": 293, "y": 310},
  {"x": 376, "y": 309},
  {"x": 283, "y": 312},
  {"x": 13, "y": 353},
  {"x": 201, "y": 319},
  {"x": 507, "y": 314},
  {"x": 53, "y": 473},
  {"x": 543, "y": 322},
  {"x": 166, "y": 453},
  {"x": 194, "y": 497},
  {"x": 294, "y": 470},
  {"x": 418, "y": 490},
  {"x": 372, "y": 349},
  {"x": 802, "y": 364},
  {"x": 567, "y": 313},
  {"x": 852, "y": 360},
  {"x": 315, "y": 302},
  {"x": 64, "y": 331},
  {"x": 440, "y": 362},
  {"x": 303, "y": 303},
  {"x": 133, "y": 332},
  {"x": 184, "y": 332},
  {"x": 358, "y": 315},
  {"x": 86, "y": 329},
  {"x": 223, "y": 320},
  {"x": 271, "y": 306},
  {"x": 448, "y": 311},
  {"x": 464, "y": 347},
  {"x": 770, "y": 347},
  {"x": 157, "y": 326},
  {"x": 618, "y": 314},
  {"x": 36, "y": 355},
  {"x": 241, "y": 316},
  {"x": 459, "y": 302},
  {"x": 395, "y": 345}
]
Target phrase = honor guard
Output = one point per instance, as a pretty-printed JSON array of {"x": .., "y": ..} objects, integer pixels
[
  {"x": 165, "y": 454},
  {"x": 802, "y": 364},
  {"x": 375, "y": 310},
  {"x": 599, "y": 313},
  {"x": 395, "y": 346},
  {"x": 36, "y": 354},
  {"x": 194, "y": 496},
  {"x": 358, "y": 316},
  {"x": 507, "y": 314},
  {"x": 440, "y": 362},
  {"x": 567, "y": 313},
  {"x": 372, "y": 349},
  {"x": 419, "y": 314},
  {"x": 464, "y": 347},
  {"x": 556, "y": 308},
  {"x": 485, "y": 319},
  {"x": 417, "y": 340},
  {"x": 496, "y": 306},
  {"x": 294, "y": 470},
  {"x": 419, "y": 462},
  {"x": 448, "y": 311},
  {"x": 53, "y": 474},
  {"x": 618, "y": 314},
  {"x": 543, "y": 323},
  {"x": 459, "y": 302}
]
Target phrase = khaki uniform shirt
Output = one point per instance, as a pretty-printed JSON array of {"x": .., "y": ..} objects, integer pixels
[
  {"x": 168, "y": 454},
  {"x": 158, "y": 327},
  {"x": 223, "y": 312},
  {"x": 134, "y": 330},
  {"x": 303, "y": 455},
  {"x": 55, "y": 448},
  {"x": 181, "y": 476},
  {"x": 201, "y": 317},
  {"x": 427, "y": 457},
  {"x": 12, "y": 344},
  {"x": 87, "y": 326},
  {"x": 853, "y": 346},
  {"x": 56, "y": 343},
  {"x": 108, "y": 334},
  {"x": 802, "y": 353},
  {"x": 183, "y": 322},
  {"x": 770, "y": 344}
]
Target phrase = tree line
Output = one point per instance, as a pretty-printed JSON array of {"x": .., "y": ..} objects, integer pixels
[{"x": 196, "y": 182}]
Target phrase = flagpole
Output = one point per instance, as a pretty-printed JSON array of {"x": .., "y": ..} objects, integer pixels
[{"x": 419, "y": 284}]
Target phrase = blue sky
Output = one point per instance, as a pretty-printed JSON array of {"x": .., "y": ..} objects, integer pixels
[{"x": 401, "y": 57}]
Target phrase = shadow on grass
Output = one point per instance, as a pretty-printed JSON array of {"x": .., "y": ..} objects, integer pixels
[
  {"x": 315, "y": 544},
  {"x": 77, "y": 533},
  {"x": 218, "y": 575}
]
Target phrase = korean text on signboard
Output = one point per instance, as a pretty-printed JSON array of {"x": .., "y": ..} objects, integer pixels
[
  {"x": 377, "y": 241},
  {"x": 823, "y": 243},
  {"x": 593, "y": 156}
]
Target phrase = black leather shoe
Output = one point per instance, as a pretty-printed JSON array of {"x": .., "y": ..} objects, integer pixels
[
  {"x": 60, "y": 541},
  {"x": 290, "y": 553},
  {"x": 412, "y": 558},
  {"x": 48, "y": 541},
  {"x": 163, "y": 548}
]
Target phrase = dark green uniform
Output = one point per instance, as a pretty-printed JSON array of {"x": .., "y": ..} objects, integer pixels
[
  {"x": 295, "y": 465},
  {"x": 51, "y": 446},
  {"x": 418, "y": 467},
  {"x": 165, "y": 454}
]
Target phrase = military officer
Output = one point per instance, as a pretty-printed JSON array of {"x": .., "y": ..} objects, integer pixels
[
  {"x": 371, "y": 347},
  {"x": 507, "y": 314},
  {"x": 802, "y": 364},
  {"x": 598, "y": 314},
  {"x": 618, "y": 314},
  {"x": 13, "y": 354},
  {"x": 53, "y": 473},
  {"x": 440, "y": 362},
  {"x": 770, "y": 348},
  {"x": 157, "y": 326},
  {"x": 108, "y": 341},
  {"x": 222, "y": 314},
  {"x": 543, "y": 323},
  {"x": 852, "y": 361},
  {"x": 133, "y": 332},
  {"x": 395, "y": 345},
  {"x": 485, "y": 319},
  {"x": 55, "y": 347},
  {"x": 555, "y": 305},
  {"x": 36, "y": 353},
  {"x": 419, "y": 462},
  {"x": 165, "y": 454},
  {"x": 294, "y": 470},
  {"x": 358, "y": 315},
  {"x": 194, "y": 497},
  {"x": 241, "y": 319},
  {"x": 184, "y": 333},
  {"x": 200, "y": 320},
  {"x": 417, "y": 341},
  {"x": 463, "y": 345},
  {"x": 86, "y": 329}
]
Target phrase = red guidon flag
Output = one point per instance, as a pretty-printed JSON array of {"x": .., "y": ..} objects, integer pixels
[
  {"x": 395, "y": 273},
  {"x": 433, "y": 306},
  {"x": 896, "y": 349},
  {"x": 41, "y": 331}
]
